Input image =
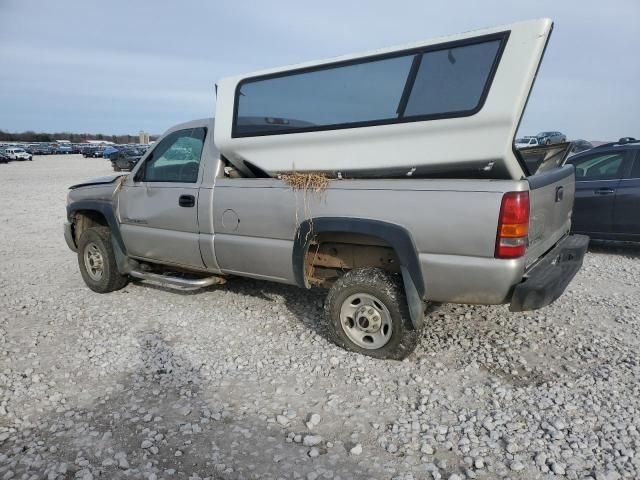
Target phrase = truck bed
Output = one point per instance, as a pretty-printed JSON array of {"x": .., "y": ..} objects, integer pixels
[{"x": 452, "y": 224}]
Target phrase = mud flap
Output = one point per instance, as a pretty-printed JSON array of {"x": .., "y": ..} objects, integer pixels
[
  {"x": 123, "y": 263},
  {"x": 414, "y": 301}
]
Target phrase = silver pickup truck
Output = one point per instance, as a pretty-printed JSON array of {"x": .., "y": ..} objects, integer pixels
[{"x": 426, "y": 202}]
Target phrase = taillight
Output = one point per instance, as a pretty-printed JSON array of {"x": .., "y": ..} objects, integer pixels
[{"x": 513, "y": 225}]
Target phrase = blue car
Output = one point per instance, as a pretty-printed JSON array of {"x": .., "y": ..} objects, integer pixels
[
  {"x": 110, "y": 153},
  {"x": 63, "y": 149}
]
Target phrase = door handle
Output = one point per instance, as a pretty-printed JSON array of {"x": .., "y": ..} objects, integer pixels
[
  {"x": 604, "y": 191},
  {"x": 187, "y": 201}
]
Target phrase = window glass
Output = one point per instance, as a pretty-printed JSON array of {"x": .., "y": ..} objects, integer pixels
[
  {"x": 448, "y": 81},
  {"x": 452, "y": 80},
  {"x": 635, "y": 170},
  {"x": 176, "y": 158},
  {"x": 601, "y": 166},
  {"x": 355, "y": 93}
]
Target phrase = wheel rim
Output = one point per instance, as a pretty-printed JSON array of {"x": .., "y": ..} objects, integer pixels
[
  {"x": 366, "y": 321},
  {"x": 93, "y": 261}
]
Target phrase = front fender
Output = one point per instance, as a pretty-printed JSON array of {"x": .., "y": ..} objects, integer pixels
[{"x": 106, "y": 209}]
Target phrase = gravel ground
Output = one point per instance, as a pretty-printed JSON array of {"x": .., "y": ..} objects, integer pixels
[{"x": 239, "y": 381}]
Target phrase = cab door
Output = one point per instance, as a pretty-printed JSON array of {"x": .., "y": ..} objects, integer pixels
[{"x": 158, "y": 208}]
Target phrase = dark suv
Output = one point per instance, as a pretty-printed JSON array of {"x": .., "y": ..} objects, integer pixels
[{"x": 607, "y": 201}]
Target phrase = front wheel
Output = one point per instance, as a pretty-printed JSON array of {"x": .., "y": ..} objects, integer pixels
[
  {"x": 367, "y": 312},
  {"x": 97, "y": 261}
]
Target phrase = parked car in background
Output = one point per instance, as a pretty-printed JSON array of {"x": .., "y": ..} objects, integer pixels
[
  {"x": 18, "y": 153},
  {"x": 33, "y": 149},
  {"x": 125, "y": 159},
  {"x": 578, "y": 146},
  {"x": 109, "y": 152},
  {"x": 63, "y": 149},
  {"x": 547, "y": 138},
  {"x": 4, "y": 158},
  {"x": 87, "y": 151},
  {"x": 607, "y": 202},
  {"x": 527, "y": 141},
  {"x": 90, "y": 151}
]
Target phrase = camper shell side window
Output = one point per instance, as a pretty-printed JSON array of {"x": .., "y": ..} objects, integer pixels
[{"x": 439, "y": 81}]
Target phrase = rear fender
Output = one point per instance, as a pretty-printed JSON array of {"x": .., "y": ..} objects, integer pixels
[{"x": 395, "y": 236}]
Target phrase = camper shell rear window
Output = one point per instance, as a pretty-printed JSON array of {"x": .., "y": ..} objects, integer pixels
[{"x": 438, "y": 81}]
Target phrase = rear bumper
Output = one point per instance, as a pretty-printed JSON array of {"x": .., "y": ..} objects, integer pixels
[
  {"x": 547, "y": 280},
  {"x": 68, "y": 237}
]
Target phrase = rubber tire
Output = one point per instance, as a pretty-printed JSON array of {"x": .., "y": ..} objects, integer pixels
[
  {"x": 111, "y": 279},
  {"x": 387, "y": 287}
]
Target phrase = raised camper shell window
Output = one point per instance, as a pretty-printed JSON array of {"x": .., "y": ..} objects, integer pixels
[{"x": 439, "y": 81}]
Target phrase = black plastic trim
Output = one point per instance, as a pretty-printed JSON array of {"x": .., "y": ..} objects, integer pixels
[
  {"x": 394, "y": 235},
  {"x": 502, "y": 36},
  {"x": 107, "y": 211},
  {"x": 547, "y": 280},
  {"x": 408, "y": 86}
]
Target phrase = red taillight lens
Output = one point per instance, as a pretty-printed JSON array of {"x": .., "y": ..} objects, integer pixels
[{"x": 513, "y": 225}]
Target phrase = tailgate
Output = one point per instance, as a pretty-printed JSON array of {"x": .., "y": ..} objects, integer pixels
[{"x": 551, "y": 196}]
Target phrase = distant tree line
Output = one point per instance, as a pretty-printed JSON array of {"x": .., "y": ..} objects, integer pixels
[{"x": 30, "y": 136}]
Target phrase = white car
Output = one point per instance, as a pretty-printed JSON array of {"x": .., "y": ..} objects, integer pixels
[
  {"x": 16, "y": 153},
  {"x": 525, "y": 142}
]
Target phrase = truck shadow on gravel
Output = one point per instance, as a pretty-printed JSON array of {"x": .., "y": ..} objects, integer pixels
[
  {"x": 167, "y": 416},
  {"x": 444, "y": 338},
  {"x": 306, "y": 305}
]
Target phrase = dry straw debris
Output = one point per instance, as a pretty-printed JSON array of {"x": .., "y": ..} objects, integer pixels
[{"x": 306, "y": 182}]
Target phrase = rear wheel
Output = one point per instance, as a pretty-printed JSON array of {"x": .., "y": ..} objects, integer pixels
[
  {"x": 97, "y": 261},
  {"x": 366, "y": 312}
]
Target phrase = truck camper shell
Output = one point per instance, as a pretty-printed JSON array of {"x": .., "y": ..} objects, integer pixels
[{"x": 447, "y": 107}]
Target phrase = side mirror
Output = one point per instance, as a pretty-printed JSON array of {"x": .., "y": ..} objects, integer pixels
[{"x": 139, "y": 176}]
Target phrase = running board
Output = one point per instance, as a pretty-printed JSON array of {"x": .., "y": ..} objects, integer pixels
[{"x": 178, "y": 281}]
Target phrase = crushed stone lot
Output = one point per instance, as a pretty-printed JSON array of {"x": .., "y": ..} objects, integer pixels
[{"x": 239, "y": 381}]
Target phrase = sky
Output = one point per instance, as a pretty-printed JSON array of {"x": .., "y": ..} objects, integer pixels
[{"x": 120, "y": 66}]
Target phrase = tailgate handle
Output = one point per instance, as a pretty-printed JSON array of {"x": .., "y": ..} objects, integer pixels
[
  {"x": 187, "y": 200},
  {"x": 604, "y": 191},
  {"x": 559, "y": 193}
]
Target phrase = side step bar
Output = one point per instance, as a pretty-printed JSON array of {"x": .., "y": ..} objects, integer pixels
[{"x": 178, "y": 281}]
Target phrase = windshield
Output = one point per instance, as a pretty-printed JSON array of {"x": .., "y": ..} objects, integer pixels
[{"x": 18, "y": 150}]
